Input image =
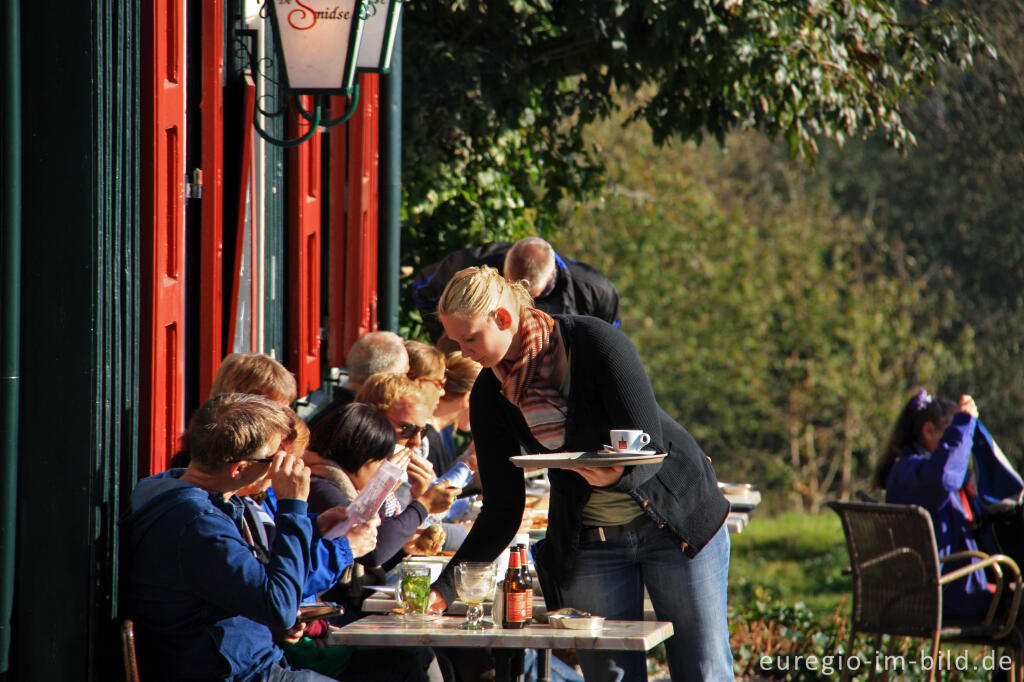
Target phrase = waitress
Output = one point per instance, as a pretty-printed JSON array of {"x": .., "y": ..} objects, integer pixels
[{"x": 560, "y": 384}]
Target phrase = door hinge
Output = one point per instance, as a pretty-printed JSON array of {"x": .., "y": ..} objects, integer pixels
[{"x": 194, "y": 189}]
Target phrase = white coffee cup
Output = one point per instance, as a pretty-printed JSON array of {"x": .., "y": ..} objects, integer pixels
[{"x": 628, "y": 440}]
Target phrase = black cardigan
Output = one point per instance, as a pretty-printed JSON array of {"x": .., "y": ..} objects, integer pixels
[{"x": 609, "y": 389}]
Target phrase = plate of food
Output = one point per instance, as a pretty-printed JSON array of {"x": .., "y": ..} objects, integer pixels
[{"x": 572, "y": 460}]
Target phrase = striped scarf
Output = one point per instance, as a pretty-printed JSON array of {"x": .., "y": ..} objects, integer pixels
[{"x": 527, "y": 381}]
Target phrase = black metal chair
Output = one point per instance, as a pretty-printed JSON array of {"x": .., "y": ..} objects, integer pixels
[{"x": 897, "y": 584}]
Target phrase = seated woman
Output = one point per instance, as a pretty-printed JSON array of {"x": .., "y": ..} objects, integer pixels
[
  {"x": 925, "y": 462},
  {"x": 451, "y": 414},
  {"x": 428, "y": 368},
  {"x": 346, "y": 449},
  {"x": 452, "y": 411}
]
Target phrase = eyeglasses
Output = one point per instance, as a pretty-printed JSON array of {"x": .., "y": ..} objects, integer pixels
[
  {"x": 409, "y": 430},
  {"x": 439, "y": 383},
  {"x": 260, "y": 460}
]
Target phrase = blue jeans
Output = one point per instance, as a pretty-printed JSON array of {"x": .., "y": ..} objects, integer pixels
[
  {"x": 282, "y": 672},
  {"x": 608, "y": 580}
]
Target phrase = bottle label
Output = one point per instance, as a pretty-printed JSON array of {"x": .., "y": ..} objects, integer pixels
[{"x": 515, "y": 607}]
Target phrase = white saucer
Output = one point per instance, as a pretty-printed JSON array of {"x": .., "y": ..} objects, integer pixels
[{"x": 610, "y": 449}]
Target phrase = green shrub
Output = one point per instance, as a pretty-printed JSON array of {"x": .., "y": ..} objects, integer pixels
[{"x": 775, "y": 640}]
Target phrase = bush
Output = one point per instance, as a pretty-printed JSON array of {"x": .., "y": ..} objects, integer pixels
[{"x": 772, "y": 640}]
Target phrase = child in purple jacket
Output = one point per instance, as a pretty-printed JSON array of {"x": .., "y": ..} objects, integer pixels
[{"x": 926, "y": 462}]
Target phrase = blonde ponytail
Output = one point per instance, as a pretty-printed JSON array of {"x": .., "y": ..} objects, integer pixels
[{"x": 478, "y": 291}]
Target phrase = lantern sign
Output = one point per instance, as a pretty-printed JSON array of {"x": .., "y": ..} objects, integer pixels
[
  {"x": 318, "y": 41},
  {"x": 379, "y": 31}
]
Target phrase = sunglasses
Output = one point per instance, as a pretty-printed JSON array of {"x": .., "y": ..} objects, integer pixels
[
  {"x": 260, "y": 460},
  {"x": 410, "y": 430}
]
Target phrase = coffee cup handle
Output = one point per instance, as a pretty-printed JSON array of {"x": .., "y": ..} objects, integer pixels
[{"x": 644, "y": 439}]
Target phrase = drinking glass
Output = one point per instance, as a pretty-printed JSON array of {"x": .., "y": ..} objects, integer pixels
[
  {"x": 414, "y": 590},
  {"x": 474, "y": 581}
]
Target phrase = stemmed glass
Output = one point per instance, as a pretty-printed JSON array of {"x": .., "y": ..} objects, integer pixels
[{"x": 474, "y": 581}]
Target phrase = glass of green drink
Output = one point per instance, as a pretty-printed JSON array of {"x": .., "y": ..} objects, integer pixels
[{"x": 414, "y": 590}]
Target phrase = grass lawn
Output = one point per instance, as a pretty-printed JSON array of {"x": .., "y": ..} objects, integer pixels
[{"x": 790, "y": 558}]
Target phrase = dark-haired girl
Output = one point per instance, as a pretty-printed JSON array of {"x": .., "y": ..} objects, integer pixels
[{"x": 925, "y": 462}]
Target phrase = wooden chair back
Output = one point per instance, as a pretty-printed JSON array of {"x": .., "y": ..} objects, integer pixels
[{"x": 131, "y": 664}]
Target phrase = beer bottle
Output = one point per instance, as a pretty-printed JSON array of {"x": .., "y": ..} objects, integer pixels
[
  {"x": 524, "y": 570},
  {"x": 513, "y": 595}
]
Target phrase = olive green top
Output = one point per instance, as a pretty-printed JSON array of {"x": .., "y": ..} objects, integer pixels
[{"x": 605, "y": 507}]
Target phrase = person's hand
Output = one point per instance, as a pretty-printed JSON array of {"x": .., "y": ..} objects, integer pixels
[
  {"x": 419, "y": 477},
  {"x": 409, "y": 547},
  {"x": 439, "y": 497},
  {"x": 437, "y": 603},
  {"x": 401, "y": 458},
  {"x": 362, "y": 538},
  {"x": 329, "y": 518},
  {"x": 291, "y": 635},
  {"x": 967, "y": 405},
  {"x": 469, "y": 458},
  {"x": 601, "y": 477},
  {"x": 423, "y": 464},
  {"x": 289, "y": 477}
]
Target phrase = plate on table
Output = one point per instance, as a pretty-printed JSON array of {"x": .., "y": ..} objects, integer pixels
[{"x": 569, "y": 460}]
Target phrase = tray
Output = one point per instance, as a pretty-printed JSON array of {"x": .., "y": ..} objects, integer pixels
[{"x": 571, "y": 460}]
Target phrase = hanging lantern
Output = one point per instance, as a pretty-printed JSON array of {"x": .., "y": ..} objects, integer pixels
[{"x": 318, "y": 42}]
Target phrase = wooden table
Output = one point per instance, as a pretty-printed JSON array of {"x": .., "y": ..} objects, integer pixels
[{"x": 386, "y": 630}]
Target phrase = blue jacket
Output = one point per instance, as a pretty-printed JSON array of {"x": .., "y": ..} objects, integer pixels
[
  {"x": 203, "y": 604},
  {"x": 328, "y": 559},
  {"x": 933, "y": 481}
]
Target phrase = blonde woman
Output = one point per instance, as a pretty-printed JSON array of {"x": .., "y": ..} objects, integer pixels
[{"x": 561, "y": 383}]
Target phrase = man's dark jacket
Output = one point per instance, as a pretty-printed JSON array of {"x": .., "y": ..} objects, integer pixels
[{"x": 579, "y": 289}]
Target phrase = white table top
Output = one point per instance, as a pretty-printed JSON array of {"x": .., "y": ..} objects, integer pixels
[{"x": 387, "y": 630}]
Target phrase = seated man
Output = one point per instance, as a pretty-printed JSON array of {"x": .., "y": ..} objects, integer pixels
[
  {"x": 407, "y": 407},
  {"x": 203, "y": 599},
  {"x": 372, "y": 353}
]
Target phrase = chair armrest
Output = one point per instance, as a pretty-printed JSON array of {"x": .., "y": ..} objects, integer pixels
[
  {"x": 996, "y": 562},
  {"x": 973, "y": 554}
]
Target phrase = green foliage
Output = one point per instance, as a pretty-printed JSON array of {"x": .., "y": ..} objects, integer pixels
[
  {"x": 498, "y": 94},
  {"x": 782, "y": 335},
  {"x": 773, "y": 639},
  {"x": 954, "y": 203}
]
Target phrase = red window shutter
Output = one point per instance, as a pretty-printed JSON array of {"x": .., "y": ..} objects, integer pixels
[
  {"x": 164, "y": 237},
  {"x": 354, "y": 219},
  {"x": 211, "y": 303},
  {"x": 304, "y": 260}
]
